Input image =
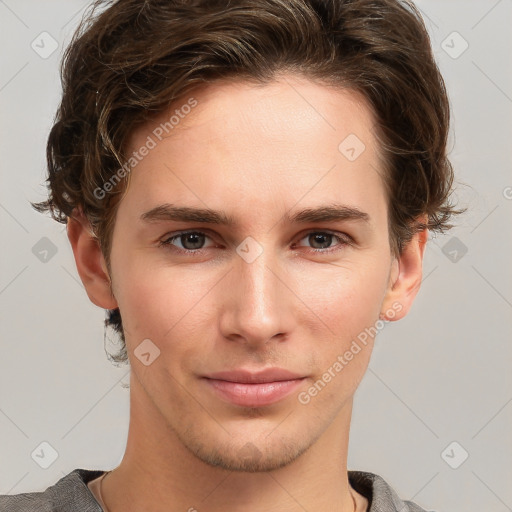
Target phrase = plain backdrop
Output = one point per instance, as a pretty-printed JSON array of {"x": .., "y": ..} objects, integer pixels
[{"x": 433, "y": 414}]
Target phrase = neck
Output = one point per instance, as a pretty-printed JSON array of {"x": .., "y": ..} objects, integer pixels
[{"x": 159, "y": 473}]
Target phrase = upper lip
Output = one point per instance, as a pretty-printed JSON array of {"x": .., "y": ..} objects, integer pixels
[{"x": 255, "y": 377}]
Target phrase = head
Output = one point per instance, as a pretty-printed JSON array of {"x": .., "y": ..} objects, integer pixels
[{"x": 268, "y": 115}]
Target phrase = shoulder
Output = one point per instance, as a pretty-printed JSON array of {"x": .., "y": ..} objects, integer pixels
[
  {"x": 380, "y": 495},
  {"x": 69, "y": 494}
]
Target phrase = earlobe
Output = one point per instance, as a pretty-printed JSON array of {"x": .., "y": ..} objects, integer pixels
[
  {"x": 90, "y": 262},
  {"x": 405, "y": 278}
]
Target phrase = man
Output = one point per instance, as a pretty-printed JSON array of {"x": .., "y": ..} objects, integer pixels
[{"x": 248, "y": 189}]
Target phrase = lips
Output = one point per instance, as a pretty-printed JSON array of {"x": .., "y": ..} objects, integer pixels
[
  {"x": 253, "y": 389},
  {"x": 249, "y": 377}
]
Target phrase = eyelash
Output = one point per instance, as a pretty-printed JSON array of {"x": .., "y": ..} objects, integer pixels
[{"x": 343, "y": 240}]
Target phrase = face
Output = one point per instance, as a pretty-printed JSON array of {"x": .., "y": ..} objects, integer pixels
[{"x": 288, "y": 283}]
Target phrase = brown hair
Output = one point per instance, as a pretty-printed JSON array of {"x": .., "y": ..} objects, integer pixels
[{"x": 128, "y": 62}]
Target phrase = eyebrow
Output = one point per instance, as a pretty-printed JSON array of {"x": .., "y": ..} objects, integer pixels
[{"x": 328, "y": 213}]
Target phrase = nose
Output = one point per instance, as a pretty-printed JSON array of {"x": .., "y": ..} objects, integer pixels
[{"x": 256, "y": 304}]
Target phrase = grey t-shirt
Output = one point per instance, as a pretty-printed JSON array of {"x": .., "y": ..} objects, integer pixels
[{"x": 71, "y": 494}]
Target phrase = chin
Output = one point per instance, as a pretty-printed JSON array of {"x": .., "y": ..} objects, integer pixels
[{"x": 249, "y": 456}]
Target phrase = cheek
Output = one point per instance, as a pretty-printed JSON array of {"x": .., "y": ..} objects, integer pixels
[
  {"x": 345, "y": 299},
  {"x": 348, "y": 304},
  {"x": 162, "y": 303}
]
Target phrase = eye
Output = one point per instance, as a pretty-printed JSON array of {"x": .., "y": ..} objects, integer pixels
[
  {"x": 191, "y": 241},
  {"x": 321, "y": 241}
]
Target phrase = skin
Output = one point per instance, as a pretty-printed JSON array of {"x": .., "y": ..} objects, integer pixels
[{"x": 257, "y": 153}]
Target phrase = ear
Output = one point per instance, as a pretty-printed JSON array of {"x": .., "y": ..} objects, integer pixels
[
  {"x": 405, "y": 278},
  {"x": 90, "y": 262}
]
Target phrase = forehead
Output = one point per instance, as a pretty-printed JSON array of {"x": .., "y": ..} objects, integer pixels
[
  {"x": 288, "y": 137},
  {"x": 303, "y": 107}
]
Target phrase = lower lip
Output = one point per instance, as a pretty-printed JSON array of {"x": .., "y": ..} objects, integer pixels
[{"x": 253, "y": 395}]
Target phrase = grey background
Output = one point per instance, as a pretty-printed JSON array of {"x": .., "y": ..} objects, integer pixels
[{"x": 440, "y": 375}]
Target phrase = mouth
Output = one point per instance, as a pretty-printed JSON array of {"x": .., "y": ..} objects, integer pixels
[{"x": 253, "y": 389}]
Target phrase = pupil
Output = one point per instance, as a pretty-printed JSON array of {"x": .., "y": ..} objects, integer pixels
[
  {"x": 193, "y": 238},
  {"x": 317, "y": 237}
]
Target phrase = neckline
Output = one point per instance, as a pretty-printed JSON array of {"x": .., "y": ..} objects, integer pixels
[{"x": 94, "y": 487}]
